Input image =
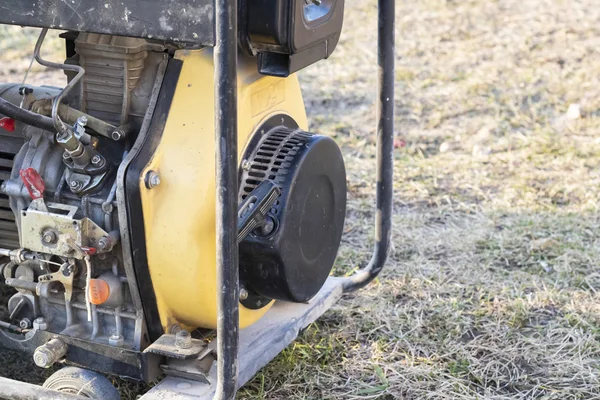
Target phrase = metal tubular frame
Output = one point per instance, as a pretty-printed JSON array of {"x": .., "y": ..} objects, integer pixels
[
  {"x": 225, "y": 59},
  {"x": 385, "y": 148}
]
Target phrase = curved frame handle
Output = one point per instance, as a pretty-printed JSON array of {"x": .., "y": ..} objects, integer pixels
[{"x": 385, "y": 149}]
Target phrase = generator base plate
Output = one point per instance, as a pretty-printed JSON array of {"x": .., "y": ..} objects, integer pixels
[{"x": 259, "y": 344}]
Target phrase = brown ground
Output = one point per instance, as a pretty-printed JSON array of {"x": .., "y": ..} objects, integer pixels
[{"x": 491, "y": 290}]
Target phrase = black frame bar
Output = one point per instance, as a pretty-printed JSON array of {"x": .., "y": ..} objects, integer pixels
[
  {"x": 385, "y": 148},
  {"x": 225, "y": 62},
  {"x": 225, "y": 59}
]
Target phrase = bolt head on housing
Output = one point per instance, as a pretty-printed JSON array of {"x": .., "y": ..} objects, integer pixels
[
  {"x": 49, "y": 237},
  {"x": 116, "y": 340},
  {"x": 40, "y": 324},
  {"x": 152, "y": 179}
]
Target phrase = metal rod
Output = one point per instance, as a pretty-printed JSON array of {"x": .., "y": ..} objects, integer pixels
[
  {"x": 58, "y": 123},
  {"x": 225, "y": 63},
  {"x": 385, "y": 149}
]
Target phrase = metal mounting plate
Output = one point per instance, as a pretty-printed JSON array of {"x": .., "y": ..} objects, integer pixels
[
  {"x": 72, "y": 234},
  {"x": 259, "y": 344},
  {"x": 182, "y": 21},
  {"x": 165, "y": 346}
]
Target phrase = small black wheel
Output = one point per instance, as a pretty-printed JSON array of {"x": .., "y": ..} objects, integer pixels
[{"x": 82, "y": 382}]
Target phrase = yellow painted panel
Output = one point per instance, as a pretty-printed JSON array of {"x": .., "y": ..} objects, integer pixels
[{"x": 179, "y": 214}]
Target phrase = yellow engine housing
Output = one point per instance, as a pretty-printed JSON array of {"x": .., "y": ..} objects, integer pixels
[{"x": 179, "y": 214}]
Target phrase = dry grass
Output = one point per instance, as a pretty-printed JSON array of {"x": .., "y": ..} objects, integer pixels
[{"x": 492, "y": 287}]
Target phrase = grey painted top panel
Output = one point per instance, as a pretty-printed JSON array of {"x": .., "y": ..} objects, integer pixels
[{"x": 190, "y": 21}]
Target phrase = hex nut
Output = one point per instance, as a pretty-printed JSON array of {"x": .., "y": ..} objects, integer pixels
[
  {"x": 25, "y": 323},
  {"x": 116, "y": 340},
  {"x": 76, "y": 186},
  {"x": 40, "y": 324},
  {"x": 117, "y": 135},
  {"x": 49, "y": 237},
  {"x": 104, "y": 244},
  {"x": 82, "y": 121},
  {"x": 183, "y": 339},
  {"x": 97, "y": 161}
]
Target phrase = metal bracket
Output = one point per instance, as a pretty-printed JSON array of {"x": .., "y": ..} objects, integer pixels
[
  {"x": 67, "y": 236},
  {"x": 167, "y": 346}
]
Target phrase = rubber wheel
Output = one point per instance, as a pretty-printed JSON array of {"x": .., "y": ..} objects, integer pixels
[{"x": 82, "y": 382}]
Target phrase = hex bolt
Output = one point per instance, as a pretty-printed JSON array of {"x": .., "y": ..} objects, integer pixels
[
  {"x": 97, "y": 161},
  {"x": 116, "y": 340},
  {"x": 75, "y": 186},
  {"x": 117, "y": 135},
  {"x": 152, "y": 179},
  {"x": 40, "y": 324},
  {"x": 246, "y": 165},
  {"x": 49, "y": 237},
  {"x": 82, "y": 121},
  {"x": 244, "y": 294},
  {"x": 183, "y": 339},
  {"x": 104, "y": 244},
  {"x": 46, "y": 355},
  {"x": 25, "y": 323}
]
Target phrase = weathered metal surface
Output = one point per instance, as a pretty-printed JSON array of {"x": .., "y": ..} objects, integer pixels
[
  {"x": 226, "y": 137},
  {"x": 259, "y": 344},
  {"x": 72, "y": 234},
  {"x": 188, "y": 21}
]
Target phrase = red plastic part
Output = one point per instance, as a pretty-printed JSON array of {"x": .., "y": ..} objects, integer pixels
[
  {"x": 89, "y": 250},
  {"x": 33, "y": 182},
  {"x": 7, "y": 124}
]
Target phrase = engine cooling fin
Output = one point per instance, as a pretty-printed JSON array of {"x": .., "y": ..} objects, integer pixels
[
  {"x": 292, "y": 258},
  {"x": 9, "y": 147}
]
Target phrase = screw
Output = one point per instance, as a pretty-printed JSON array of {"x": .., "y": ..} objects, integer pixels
[
  {"x": 183, "y": 339},
  {"x": 244, "y": 294},
  {"x": 152, "y": 179},
  {"x": 117, "y": 135},
  {"x": 25, "y": 323},
  {"x": 49, "y": 237},
  {"x": 246, "y": 165}
]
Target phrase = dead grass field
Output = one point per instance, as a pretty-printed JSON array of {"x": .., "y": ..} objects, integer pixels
[{"x": 491, "y": 291}]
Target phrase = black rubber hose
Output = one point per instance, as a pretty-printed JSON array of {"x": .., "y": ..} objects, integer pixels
[{"x": 27, "y": 117}]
